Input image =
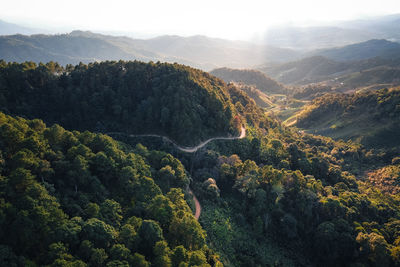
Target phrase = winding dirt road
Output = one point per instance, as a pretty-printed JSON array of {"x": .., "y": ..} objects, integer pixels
[
  {"x": 189, "y": 150},
  {"x": 183, "y": 148}
]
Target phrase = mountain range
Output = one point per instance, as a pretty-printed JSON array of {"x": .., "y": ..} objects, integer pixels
[
  {"x": 344, "y": 41},
  {"x": 340, "y": 64},
  {"x": 372, "y": 48},
  {"x": 334, "y": 34},
  {"x": 7, "y": 28},
  {"x": 83, "y": 46}
]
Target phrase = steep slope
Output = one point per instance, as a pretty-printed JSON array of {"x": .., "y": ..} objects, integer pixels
[
  {"x": 82, "y": 199},
  {"x": 261, "y": 99},
  {"x": 371, "y": 117},
  {"x": 185, "y": 104},
  {"x": 249, "y": 77}
]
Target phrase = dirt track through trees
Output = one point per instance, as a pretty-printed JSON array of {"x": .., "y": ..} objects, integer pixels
[{"x": 189, "y": 150}]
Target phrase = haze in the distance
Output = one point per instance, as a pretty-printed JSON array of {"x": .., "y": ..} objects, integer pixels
[{"x": 222, "y": 18}]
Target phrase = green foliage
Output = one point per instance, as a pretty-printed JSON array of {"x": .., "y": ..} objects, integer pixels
[
  {"x": 372, "y": 117},
  {"x": 276, "y": 197},
  {"x": 186, "y": 104},
  {"x": 250, "y": 77},
  {"x": 290, "y": 192},
  {"x": 78, "y": 199}
]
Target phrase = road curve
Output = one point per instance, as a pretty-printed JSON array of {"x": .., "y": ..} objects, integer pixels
[{"x": 188, "y": 149}]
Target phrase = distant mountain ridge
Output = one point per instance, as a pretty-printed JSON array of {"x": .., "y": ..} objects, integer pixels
[
  {"x": 310, "y": 38},
  {"x": 319, "y": 68},
  {"x": 307, "y": 70},
  {"x": 7, "y": 28},
  {"x": 335, "y": 34},
  {"x": 84, "y": 46},
  {"x": 369, "y": 49}
]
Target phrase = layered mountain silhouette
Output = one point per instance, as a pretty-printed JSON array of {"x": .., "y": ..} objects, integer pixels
[{"x": 82, "y": 46}]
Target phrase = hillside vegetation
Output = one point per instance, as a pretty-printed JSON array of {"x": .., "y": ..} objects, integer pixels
[
  {"x": 260, "y": 98},
  {"x": 185, "y": 104},
  {"x": 78, "y": 199},
  {"x": 250, "y": 77},
  {"x": 387, "y": 179},
  {"x": 372, "y": 117},
  {"x": 278, "y": 197},
  {"x": 288, "y": 198}
]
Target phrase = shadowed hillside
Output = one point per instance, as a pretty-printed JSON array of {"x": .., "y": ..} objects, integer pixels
[
  {"x": 186, "y": 104},
  {"x": 250, "y": 77}
]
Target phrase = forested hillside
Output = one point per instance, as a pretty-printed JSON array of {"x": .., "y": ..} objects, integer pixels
[
  {"x": 261, "y": 99},
  {"x": 185, "y": 104},
  {"x": 387, "y": 178},
  {"x": 372, "y": 117},
  {"x": 250, "y": 77},
  {"x": 287, "y": 198},
  {"x": 78, "y": 199}
]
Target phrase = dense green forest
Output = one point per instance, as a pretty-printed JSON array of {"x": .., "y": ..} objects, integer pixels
[
  {"x": 281, "y": 197},
  {"x": 278, "y": 197},
  {"x": 186, "y": 104},
  {"x": 372, "y": 117},
  {"x": 71, "y": 198}
]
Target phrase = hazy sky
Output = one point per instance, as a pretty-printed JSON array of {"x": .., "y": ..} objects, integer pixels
[{"x": 219, "y": 18}]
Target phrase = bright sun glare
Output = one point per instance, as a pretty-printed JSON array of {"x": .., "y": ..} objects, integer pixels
[{"x": 218, "y": 18}]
